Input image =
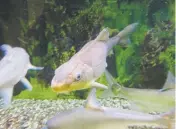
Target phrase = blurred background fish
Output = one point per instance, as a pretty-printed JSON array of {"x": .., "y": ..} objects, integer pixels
[
  {"x": 13, "y": 68},
  {"x": 147, "y": 100}
]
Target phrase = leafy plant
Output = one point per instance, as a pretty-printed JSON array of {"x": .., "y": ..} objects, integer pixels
[
  {"x": 168, "y": 58},
  {"x": 39, "y": 91}
]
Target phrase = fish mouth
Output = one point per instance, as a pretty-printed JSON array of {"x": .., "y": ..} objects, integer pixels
[
  {"x": 64, "y": 87},
  {"x": 61, "y": 87}
]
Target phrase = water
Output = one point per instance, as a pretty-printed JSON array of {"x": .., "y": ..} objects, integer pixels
[{"x": 52, "y": 31}]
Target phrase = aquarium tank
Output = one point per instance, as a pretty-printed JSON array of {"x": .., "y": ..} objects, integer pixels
[{"x": 87, "y": 64}]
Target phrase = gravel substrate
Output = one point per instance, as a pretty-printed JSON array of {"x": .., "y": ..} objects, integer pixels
[{"x": 33, "y": 114}]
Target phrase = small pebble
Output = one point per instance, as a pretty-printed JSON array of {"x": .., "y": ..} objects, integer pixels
[{"x": 33, "y": 114}]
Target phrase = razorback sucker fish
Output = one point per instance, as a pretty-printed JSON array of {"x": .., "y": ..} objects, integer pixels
[
  {"x": 146, "y": 100},
  {"x": 13, "y": 68},
  {"x": 87, "y": 65},
  {"x": 105, "y": 118}
]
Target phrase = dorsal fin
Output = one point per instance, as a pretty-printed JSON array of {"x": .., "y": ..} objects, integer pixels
[
  {"x": 92, "y": 102},
  {"x": 169, "y": 83},
  {"x": 103, "y": 35}
]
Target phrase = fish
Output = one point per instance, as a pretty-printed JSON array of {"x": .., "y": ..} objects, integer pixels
[
  {"x": 87, "y": 65},
  {"x": 146, "y": 100},
  {"x": 106, "y": 117},
  {"x": 13, "y": 68}
]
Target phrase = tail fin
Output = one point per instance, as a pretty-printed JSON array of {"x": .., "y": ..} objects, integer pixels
[
  {"x": 122, "y": 37},
  {"x": 127, "y": 30},
  {"x": 124, "y": 34}
]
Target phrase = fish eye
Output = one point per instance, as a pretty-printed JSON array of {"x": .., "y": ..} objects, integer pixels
[{"x": 78, "y": 77}]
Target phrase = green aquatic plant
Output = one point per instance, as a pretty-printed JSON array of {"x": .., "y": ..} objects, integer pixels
[
  {"x": 56, "y": 57},
  {"x": 157, "y": 40},
  {"x": 55, "y": 42},
  {"x": 160, "y": 10},
  {"x": 127, "y": 65},
  {"x": 42, "y": 91},
  {"x": 168, "y": 58},
  {"x": 115, "y": 17},
  {"x": 39, "y": 91},
  {"x": 171, "y": 10},
  {"x": 147, "y": 51},
  {"x": 82, "y": 26},
  {"x": 128, "y": 60}
]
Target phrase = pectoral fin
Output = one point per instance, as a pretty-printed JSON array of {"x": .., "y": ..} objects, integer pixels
[
  {"x": 26, "y": 83},
  {"x": 98, "y": 85},
  {"x": 107, "y": 93},
  {"x": 6, "y": 94},
  {"x": 111, "y": 82},
  {"x": 91, "y": 102},
  {"x": 32, "y": 67}
]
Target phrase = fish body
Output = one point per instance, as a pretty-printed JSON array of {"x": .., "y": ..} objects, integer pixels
[
  {"x": 89, "y": 63},
  {"x": 14, "y": 66},
  {"x": 147, "y": 100},
  {"x": 105, "y": 118},
  {"x": 81, "y": 118}
]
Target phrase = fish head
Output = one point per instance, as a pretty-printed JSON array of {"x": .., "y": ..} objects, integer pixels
[{"x": 71, "y": 77}]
